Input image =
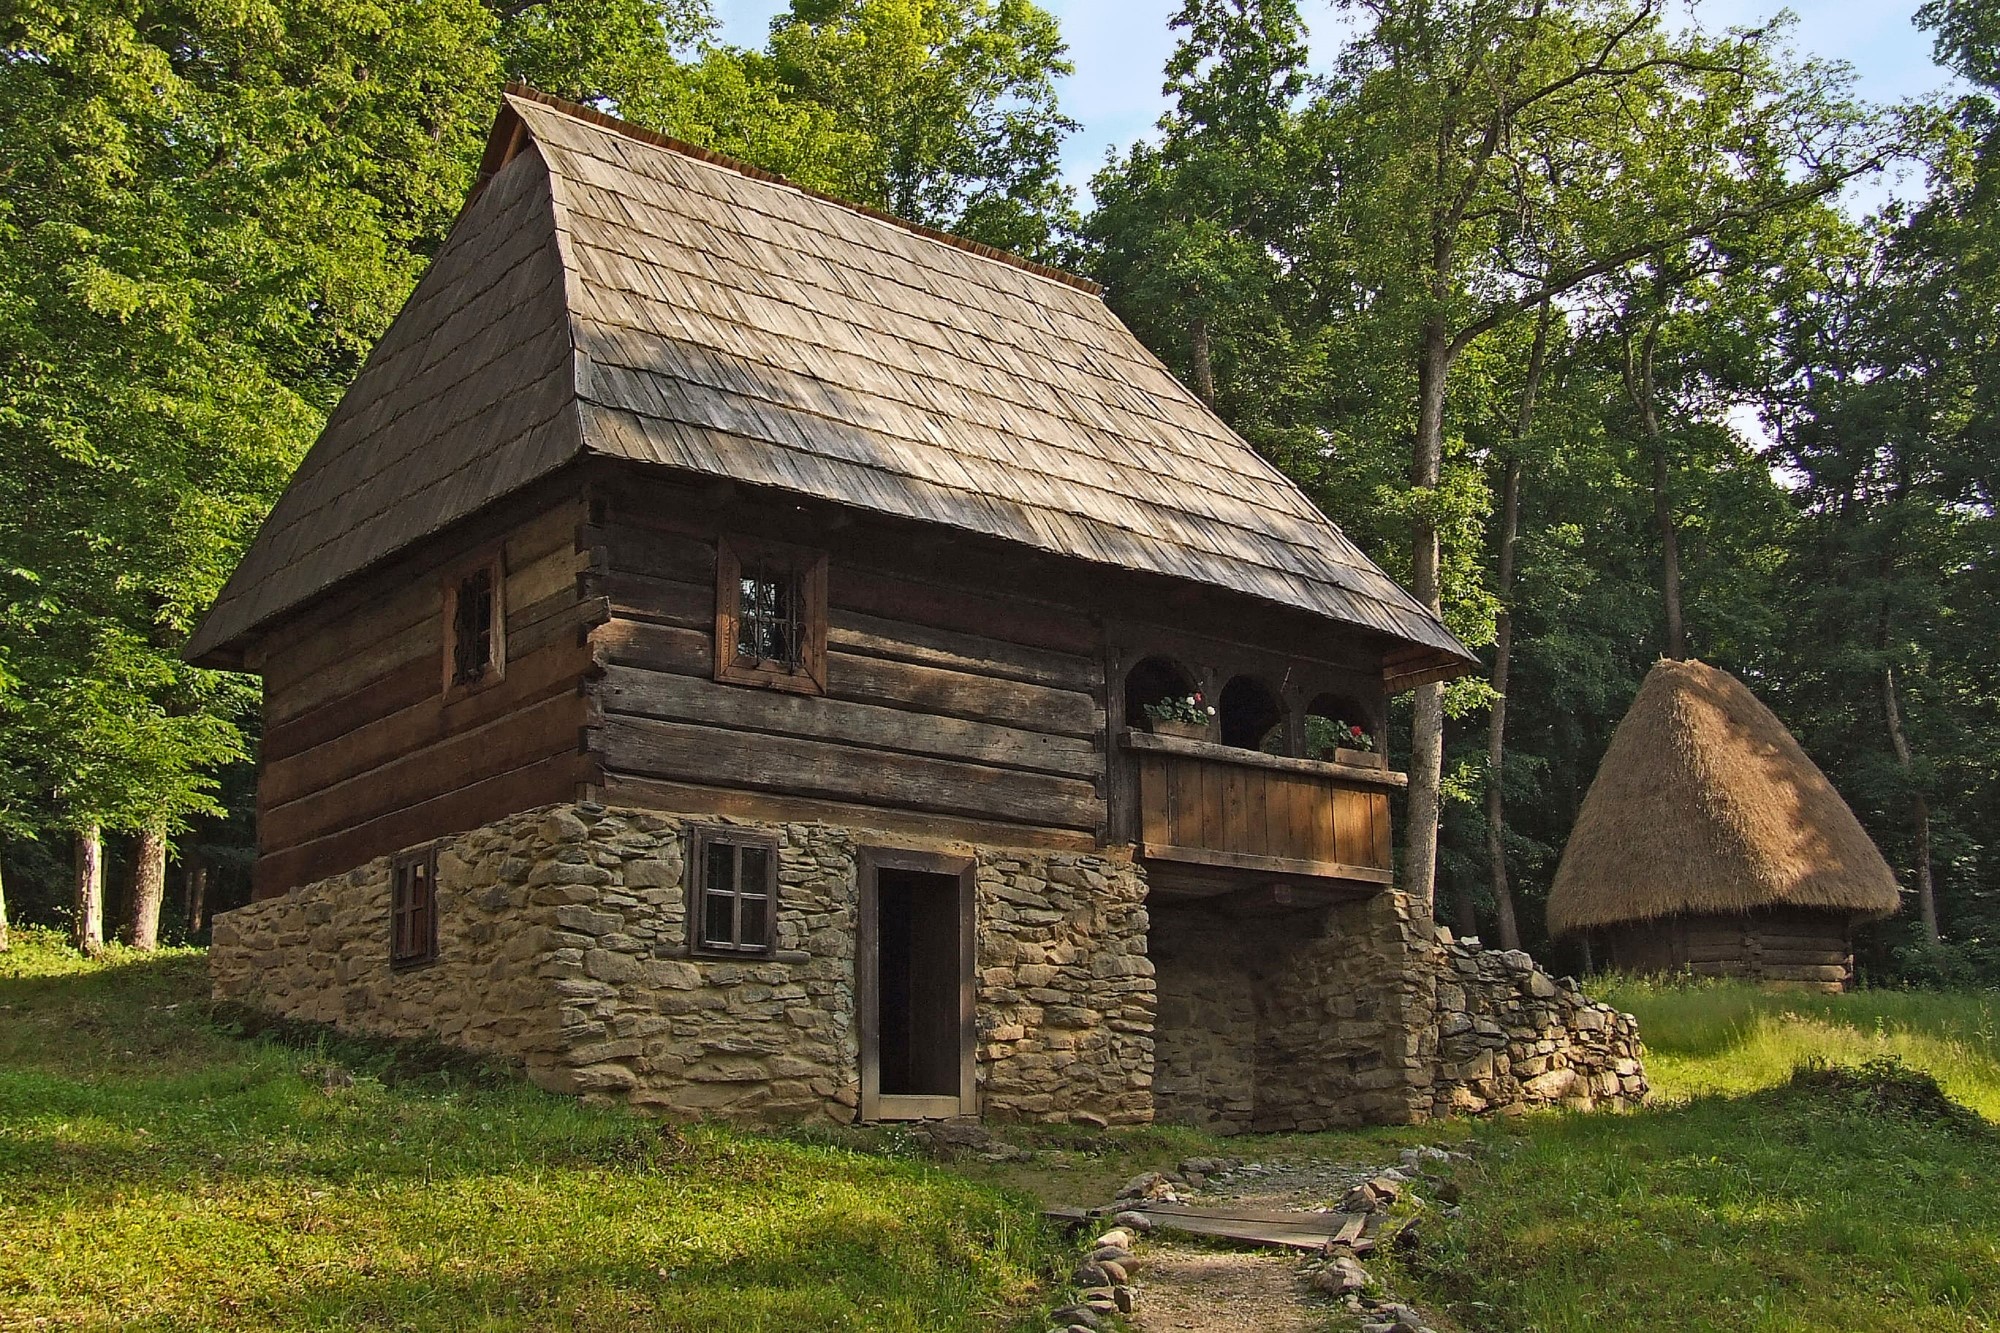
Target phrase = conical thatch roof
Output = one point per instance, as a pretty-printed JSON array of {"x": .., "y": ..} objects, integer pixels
[{"x": 1705, "y": 804}]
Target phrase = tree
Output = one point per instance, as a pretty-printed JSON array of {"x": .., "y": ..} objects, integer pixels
[
  {"x": 1188, "y": 237},
  {"x": 953, "y": 105},
  {"x": 1474, "y": 141}
]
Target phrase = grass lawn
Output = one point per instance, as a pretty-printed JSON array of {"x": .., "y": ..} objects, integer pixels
[
  {"x": 1747, "y": 1199},
  {"x": 158, "y": 1172}
]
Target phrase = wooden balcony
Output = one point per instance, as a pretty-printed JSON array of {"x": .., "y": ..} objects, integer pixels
[{"x": 1271, "y": 832}]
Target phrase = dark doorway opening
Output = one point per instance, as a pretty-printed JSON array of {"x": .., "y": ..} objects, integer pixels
[
  {"x": 914, "y": 975},
  {"x": 919, "y": 991}
]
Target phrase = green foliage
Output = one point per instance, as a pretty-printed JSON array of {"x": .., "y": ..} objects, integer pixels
[
  {"x": 209, "y": 215},
  {"x": 1814, "y": 1167},
  {"x": 952, "y": 105},
  {"x": 156, "y": 1170}
]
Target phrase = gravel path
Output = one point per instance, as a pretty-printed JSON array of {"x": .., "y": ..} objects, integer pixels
[{"x": 1190, "y": 1289}]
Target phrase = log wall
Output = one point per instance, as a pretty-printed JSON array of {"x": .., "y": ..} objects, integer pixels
[
  {"x": 966, "y": 699},
  {"x": 365, "y": 753},
  {"x": 951, "y": 708},
  {"x": 1788, "y": 947}
]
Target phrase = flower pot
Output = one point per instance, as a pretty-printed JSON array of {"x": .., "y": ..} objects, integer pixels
[
  {"x": 1192, "y": 731},
  {"x": 1359, "y": 758}
]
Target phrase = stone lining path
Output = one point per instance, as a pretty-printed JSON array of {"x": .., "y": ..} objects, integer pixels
[{"x": 1169, "y": 1283}]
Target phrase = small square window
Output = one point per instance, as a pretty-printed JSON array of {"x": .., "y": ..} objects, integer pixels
[
  {"x": 733, "y": 892},
  {"x": 413, "y": 909},
  {"x": 475, "y": 653},
  {"x": 770, "y": 616}
]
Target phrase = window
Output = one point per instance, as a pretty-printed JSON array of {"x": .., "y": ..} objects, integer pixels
[
  {"x": 475, "y": 652},
  {"x": 733, "y": 880},
  {"x": 413, "y": 909},
  {"x": 770, "y": 616}
]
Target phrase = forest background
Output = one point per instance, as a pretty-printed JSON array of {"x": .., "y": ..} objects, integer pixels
[{"x": 1553, "y": 304}]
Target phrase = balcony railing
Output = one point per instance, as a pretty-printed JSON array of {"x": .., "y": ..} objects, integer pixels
[{"x": 1215, "y": 817}]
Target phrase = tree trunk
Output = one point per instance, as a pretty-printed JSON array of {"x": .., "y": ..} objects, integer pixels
[
  {"x": 1200, "y": 363},
  {"x": 1640, "y": 388},
  {"x": 1503, "y": 640},
  {"x": 149, "y": 888},
  {"x": 1465, "y": 913},
  {"x": 1496, "y": 727},
  {"x": 88, "y": 932},
  {"x": 1670, "y": 551},
  {"x": 197, "y": 894},
  {"x": 1427, "y": 726},
  {"x": 1920, "y": 809}
]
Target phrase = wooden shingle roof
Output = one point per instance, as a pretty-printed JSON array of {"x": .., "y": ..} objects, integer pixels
[{"x": 639, "y": 299}]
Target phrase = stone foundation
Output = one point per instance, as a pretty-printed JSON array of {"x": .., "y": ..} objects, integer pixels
[{"x": 562, "y": 944}]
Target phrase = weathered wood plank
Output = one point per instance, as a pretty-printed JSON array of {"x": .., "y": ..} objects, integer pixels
[
  {"x": 550, "y": 574},
  {"x": 306, "y": 651},
  {"x": 1353, "y": 774},
  {"x": 660, "y": 601},
  {"x": 406, "y": 685},
  {"x": 879, "y": 636},
  {"x": 680, "y": 698},
  {"x": 519, "y": 738},
  {"x": 420, "y": 641},
  {"x": 714, "y": 756},
  {"x": 544, "y": 782},
  {"x": 366, "y": 746},
  {"x": 906, "y": 685},
  {"x": 951, "y": 606},
  {"x": 695, "y": 799},
  {"x": 1297, "y": 1231},
  {"x": 1353, "y": 832},
  {"x": 1267, "y": 865}
]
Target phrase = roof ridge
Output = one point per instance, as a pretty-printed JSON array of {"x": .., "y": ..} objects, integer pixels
[{"x": 641, "y": 134}]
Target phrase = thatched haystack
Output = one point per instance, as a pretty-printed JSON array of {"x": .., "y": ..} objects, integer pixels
[{"x": 1710, "y": 842}]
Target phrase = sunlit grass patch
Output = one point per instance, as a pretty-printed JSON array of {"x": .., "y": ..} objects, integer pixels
[
  {"x": 1723, "y": 1037},
  {"x": 1804, "y": 1168},
  {"x": 158, "y": 1171}
]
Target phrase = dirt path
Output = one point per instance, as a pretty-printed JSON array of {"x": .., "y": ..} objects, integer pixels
[{"x": 1191, "y": 1289}]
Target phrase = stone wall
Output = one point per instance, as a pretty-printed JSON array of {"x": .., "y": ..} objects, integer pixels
[
  {"x": 1509, "y": 1037},
  {"x": 1209, "y": 972},
  {"x": 563, "y": 944},
  {"x": 1362, "y": 1014},
  {"x": 321, "y": 953},
  {"x": 1066, "y": 989}
]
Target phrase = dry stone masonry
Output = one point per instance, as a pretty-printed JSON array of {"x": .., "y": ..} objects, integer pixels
[{"x": 563, "y": 946}]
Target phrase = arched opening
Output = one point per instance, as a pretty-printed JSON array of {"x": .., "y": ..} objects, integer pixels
[
  {"x": 1335, "y": 722},
  {"x": 1249, "y": 713},
  {"x": 1149, "y": 682}
]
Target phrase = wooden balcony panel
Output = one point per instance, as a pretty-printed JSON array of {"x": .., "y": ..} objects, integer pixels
[{"x": 1225, "y": 813}]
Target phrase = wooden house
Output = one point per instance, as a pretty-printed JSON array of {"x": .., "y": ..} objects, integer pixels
[
  {"x": 708, "y": 657},
  {"x": 1710, "y": 844}
]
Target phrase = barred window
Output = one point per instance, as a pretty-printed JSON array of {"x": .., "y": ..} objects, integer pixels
[
  {"x": 767, "y": 617},
  {"x": 770, "y": 616},
  {"x": 475, "y": 629},
  {"x": 733, "y": 907},
  {"x": 413, "y": 909}
]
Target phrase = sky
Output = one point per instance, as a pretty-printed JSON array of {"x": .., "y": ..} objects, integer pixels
[{"x": 1120, "y": 46}]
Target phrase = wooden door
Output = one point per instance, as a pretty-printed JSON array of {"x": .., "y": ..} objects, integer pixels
[{"x": 914, "y": 986}]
